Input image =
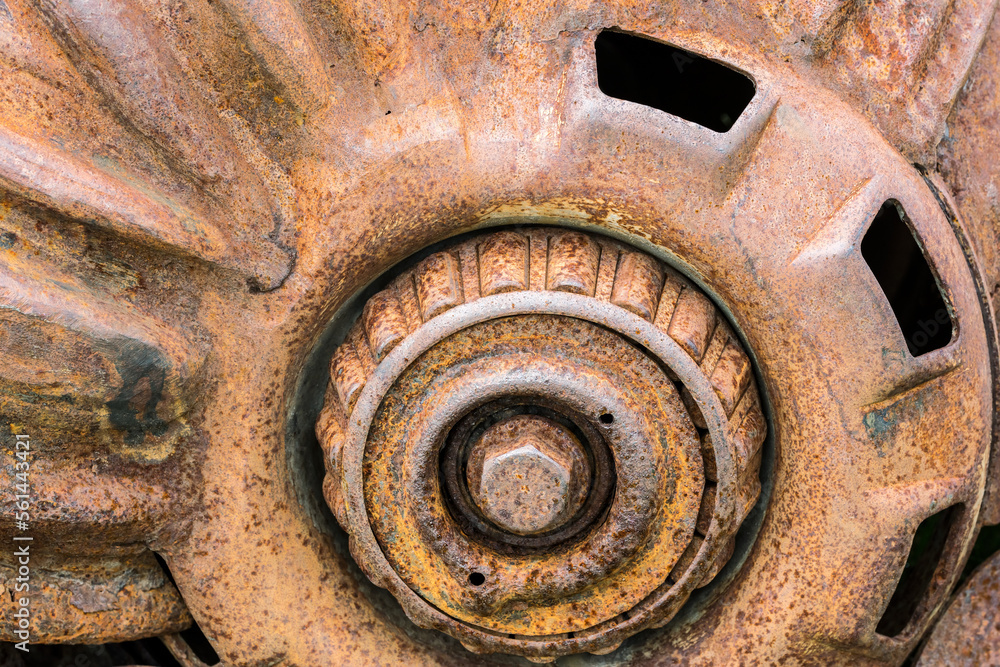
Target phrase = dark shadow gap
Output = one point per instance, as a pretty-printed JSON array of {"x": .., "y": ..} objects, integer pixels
[
  {"x": 684, "y": 84},
  {"x": 193, "y": 636},
  {"x": 200, "y": 645},
  {"x": 987, "y": 543},
  {"x": 921, "y": 564},
  {"x": 894, "y": 256},
  {"x": 145, "y": 652}
]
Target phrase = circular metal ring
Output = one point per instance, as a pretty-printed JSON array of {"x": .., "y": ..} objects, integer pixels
[
  {"x": 694, "y": 347},
  {"x": 454, "y": 454}
]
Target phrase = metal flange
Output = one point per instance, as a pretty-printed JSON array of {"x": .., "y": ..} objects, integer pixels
[{"x": 541, "y": 441}]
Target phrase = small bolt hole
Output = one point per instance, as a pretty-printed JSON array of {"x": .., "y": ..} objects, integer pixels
[
  {"x": 477, "y": 578},
  {"x": 607, "y": 418}
]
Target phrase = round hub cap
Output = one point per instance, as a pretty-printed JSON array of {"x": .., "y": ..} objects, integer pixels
[{"x": 541, "y": 441}]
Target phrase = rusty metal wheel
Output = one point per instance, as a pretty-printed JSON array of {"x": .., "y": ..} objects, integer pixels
[{"x": 611, "y": 333}]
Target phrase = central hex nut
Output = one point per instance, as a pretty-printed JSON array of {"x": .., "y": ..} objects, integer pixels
[{"x": 528, "y": 474}]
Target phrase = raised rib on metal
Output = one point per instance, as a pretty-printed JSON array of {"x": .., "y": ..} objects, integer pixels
[
  {"x": 348, "y": 376},
  {"x": 751, "y": 432},
  {"x": 503, "y": 263},
  {"x": 731, "y": 376},
  {"x": 693, "y": 322},
  {"x": 439, "y": 284},
  {"x": 638, "y": 284},
  {"x": 573, "y": 262},
  {"x": 672, "y": 287},
  {"x": 385, "y": 323},
  {"x": 406, "y": 291},
  {"x": 720, "y": 339},
  {"x": 282, "y": 43},
  {"x": 606, "y": 273}
]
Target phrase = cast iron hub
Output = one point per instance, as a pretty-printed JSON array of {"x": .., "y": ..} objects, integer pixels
[{"x": 541, "y": 441}]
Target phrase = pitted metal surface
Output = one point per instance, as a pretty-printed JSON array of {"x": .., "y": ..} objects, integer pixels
[
  {"x": 968, "y": 633},
  {"x": 194, "y": 194},
  {"x": 527, "y": 474},
  {"x": 587, "y": 355}
]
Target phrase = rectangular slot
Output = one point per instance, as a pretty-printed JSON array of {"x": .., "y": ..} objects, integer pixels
[
  {"x": 894, "y": 256},
  {"x": 644, "y": 71},
  {"x": 921, "y": 564}
]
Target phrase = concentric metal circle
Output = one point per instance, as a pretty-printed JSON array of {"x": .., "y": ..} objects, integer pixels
[
  {"x": 528, "y": 474},
  {"x": 566, "y": 322},
  {"x": 457, "y": 455},
  {"x": 559, "y": 360}
]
